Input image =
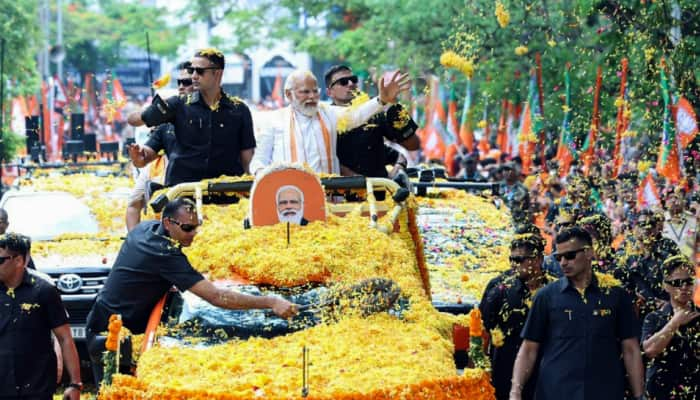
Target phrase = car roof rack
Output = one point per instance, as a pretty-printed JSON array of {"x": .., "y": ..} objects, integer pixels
[{"x": 428, "y": 178}]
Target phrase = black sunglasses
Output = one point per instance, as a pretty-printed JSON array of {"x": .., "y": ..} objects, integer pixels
[
  {"x": 199, "y": 70},
  {"x": 185, "y": 227},
  {"x": 345, "y": 80},
  {"x": 184, "y": 82},
  {"x": 5, "y": 258},
  {"x": 520, "y": 259},
  {"x": 680, "y": 282},
  {"x": 569, "y": 255}
]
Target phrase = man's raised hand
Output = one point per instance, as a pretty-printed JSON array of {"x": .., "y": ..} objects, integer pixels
[
  {"x": 389, "y": 91},
  {"x": 137, "y": 154}
]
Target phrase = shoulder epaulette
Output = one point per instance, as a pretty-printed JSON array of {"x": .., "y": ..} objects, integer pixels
[{"x": 234, "y": 99}]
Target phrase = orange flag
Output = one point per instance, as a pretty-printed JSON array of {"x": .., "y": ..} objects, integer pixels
[
  {"x": 623, "y": 121},
  {"x": 686, "y": 121},
  {"x": 277, "y": 91},
  {"x": 589, "y": 146}
]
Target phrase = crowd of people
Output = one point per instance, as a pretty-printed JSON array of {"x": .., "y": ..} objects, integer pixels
[
  {"x": 599, "y": 290},
  {"x": 601, "y": 287}
]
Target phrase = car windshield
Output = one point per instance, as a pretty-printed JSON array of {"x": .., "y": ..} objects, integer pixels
[
  {"x": 46, "y": 215},
  {"x": 193, "y": 321}
]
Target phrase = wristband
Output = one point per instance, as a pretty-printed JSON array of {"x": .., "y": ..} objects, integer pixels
[
  {"x": 78, "y": 386},
  {"x": 382, "y": 102}
]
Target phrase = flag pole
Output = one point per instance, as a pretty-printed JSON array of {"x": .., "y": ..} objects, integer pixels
[
  {"x": 542, "y": 139},
  {"x": 150, "y": 68},
  {"x": 2, "y": 104}
]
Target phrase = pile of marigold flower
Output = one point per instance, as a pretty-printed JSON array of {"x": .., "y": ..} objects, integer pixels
[{"x": 352, "y": 357}]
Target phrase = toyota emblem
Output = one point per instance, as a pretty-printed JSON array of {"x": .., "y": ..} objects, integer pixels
[{"x": 69, "y": 283}]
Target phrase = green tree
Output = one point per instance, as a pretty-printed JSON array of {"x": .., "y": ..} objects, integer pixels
[
  {"x": 412, "y": 34},
  {"x": 19, "y": 30},
  {"x": 249, "y": 25},
  {"x": 97, "y": 31}
]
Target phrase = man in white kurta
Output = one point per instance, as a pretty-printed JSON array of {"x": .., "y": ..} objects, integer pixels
[{"x": 306, "y": 131}]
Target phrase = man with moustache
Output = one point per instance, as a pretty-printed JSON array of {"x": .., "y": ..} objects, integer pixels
[
  {"x": 213, "y": 131},
  {"x": 290, "y": 205},
  {"x": 306, "y": 132}
]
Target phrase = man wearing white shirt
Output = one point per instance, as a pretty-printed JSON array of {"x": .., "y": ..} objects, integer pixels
[{"x": 306, "y": 131}]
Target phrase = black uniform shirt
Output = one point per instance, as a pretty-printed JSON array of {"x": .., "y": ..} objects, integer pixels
[
  {"x": 207, "y": 143},
  {"x": 362, "y": 149},
  {"x": 147, "y": 266},
  {"x": 580, "y": 340},
  {"x": 28, "y": 314},
  {"x": 643, "y": 273},
  {"x": 505, "y": 306},
  {"x": 163, "y": 138},
  {"x": 675, "y": 373}
]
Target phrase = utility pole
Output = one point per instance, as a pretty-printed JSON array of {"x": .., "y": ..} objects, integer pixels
[{"x": 59, "y": 38}]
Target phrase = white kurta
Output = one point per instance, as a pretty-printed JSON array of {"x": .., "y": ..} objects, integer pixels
[{"x": 274, "y": 140}]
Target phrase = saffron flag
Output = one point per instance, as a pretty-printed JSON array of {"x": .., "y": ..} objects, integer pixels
[
  {"x": 89, "y": 102},
  {"x": 686, "y": 121},
  {"x": 113, "y": 97},
  {"x": 511, "y": 132},
  {"x": 566, "y": 152},
  {"x": 502, "y": 134},
  {"x": 450, "y": 154},
  {"x": 434, "y": 145},
  {"x": 530, "y": 124},
  {"x": 668, "y": 163},
  {"x": 648, "y": 194},
  {"x": 18, "y": 113},
  {"x": 439, "y": 120},
  {"x": 45, "y": 117},
  {"x": 277, "y": 91},
  {"x": 588, "y": 150},
  {"x": 60, "y": 99},
  {"x": 451, "y": 125},
  {"x": 623, "y": 121},
  {"x": 484, "y": 146},
  {"x": 466, "y": 134}
]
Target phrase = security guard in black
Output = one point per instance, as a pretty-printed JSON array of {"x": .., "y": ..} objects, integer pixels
[
  {"x": 27, "y": 358},
  {"x": 580, "y": 337},
  {"x": 208, "y": 140}
]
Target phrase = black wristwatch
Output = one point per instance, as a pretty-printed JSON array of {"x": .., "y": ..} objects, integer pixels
[{"x": 78, "y": 386}]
